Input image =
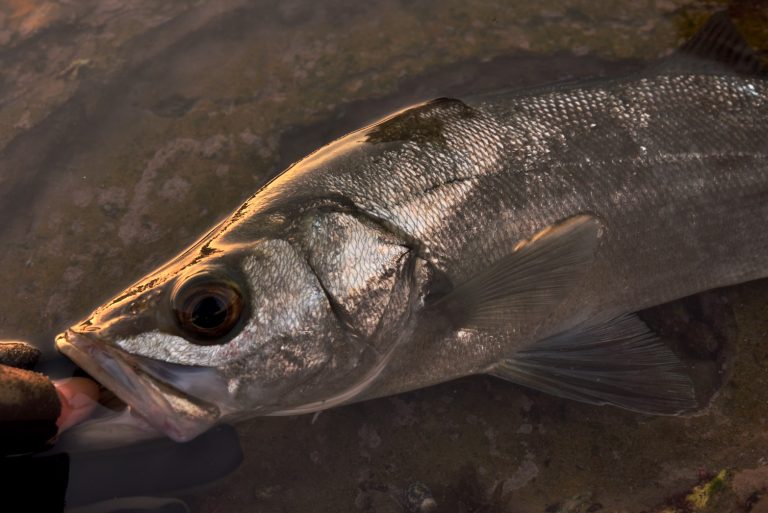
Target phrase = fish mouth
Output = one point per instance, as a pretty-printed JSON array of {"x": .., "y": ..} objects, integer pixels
[{"x": 167, "y": 409}]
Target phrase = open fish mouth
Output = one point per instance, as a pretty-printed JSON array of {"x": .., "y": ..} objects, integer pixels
[{"x": 177, "y": 414}]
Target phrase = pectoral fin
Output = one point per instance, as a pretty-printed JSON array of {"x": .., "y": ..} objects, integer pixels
[
  {"x": 618, "y": 362},
  {"x": 534, "y": 278}
]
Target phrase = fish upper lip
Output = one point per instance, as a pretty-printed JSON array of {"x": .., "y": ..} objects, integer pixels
[{"x": 168, "y": 410}]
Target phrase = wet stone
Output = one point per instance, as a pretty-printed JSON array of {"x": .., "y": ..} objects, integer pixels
[
  {"x": 418, "y": 499},
  {"x": 223, "y": 95},
  {"x": 293, "y": 12},
  {"x": 173, "y": 106},
  {"x": 699, "y": 325}
]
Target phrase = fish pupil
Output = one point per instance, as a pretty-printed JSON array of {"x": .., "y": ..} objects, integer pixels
[
  {"x": 210, "y": 312},
  {"x": 207, "y": 311}
]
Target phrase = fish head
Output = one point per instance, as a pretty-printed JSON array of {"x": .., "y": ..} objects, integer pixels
[{"x": 239, "y": 326}]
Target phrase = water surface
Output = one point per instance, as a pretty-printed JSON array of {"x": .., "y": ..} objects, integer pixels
[{"x": 127, "y": 129}]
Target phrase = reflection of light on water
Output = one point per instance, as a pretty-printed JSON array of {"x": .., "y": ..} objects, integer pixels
[
  {"x": 31, "y": 15},
  {"x": 21, "y": 8}
]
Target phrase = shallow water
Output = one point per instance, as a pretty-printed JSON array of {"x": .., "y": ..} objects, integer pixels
[{"x": 127, "y": 130}]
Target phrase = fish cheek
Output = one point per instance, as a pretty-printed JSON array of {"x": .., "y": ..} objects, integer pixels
[
  {"x": 291, "y": 335},
  {"x": 285, "y": 369}
]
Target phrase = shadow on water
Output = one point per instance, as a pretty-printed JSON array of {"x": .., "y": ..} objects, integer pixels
[
  {"x": 107, "y": 167},
  {"x": 460, "y": 80}
]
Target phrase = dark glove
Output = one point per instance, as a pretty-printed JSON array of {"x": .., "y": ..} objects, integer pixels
[
  {"x": 29, "y": 408},
  {"x": 29, "y": 404}
]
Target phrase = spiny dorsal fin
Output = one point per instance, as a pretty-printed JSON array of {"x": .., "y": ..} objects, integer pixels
[
  {"x": 617, "y": 361},
  {"x": 529, "y": 282},
  {"x": 718, "y": 45}
]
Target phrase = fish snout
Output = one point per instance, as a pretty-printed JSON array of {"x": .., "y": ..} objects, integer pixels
[
  {"x": 135, "y": 311},
  {"x": 171, "y": 411}
]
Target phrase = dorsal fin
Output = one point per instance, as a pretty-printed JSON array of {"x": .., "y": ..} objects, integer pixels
[{"x": 717, "y": 46}]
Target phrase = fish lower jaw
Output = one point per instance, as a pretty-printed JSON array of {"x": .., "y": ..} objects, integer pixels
[{"x": 165, "y": 408}]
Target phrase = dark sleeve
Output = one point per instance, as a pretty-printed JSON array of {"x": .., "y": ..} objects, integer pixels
[
  {"x": 29, "y": 407},
  {"x": 39, "y": 484},
  {"x": 29, "y": 404}
]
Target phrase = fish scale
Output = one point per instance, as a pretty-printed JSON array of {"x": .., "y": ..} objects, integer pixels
[{"x": 695, "y": 180}]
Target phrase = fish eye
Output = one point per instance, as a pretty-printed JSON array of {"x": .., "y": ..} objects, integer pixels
[{"x": 207, "y": 310}]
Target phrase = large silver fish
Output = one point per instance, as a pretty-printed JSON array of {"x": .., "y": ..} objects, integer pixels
[{"x": 513, "y": 234}]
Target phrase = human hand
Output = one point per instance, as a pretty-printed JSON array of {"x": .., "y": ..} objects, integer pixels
[{"x": 34, "y": 409}]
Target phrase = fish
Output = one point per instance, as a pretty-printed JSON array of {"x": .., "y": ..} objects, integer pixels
[{"x": 514, "y": 233}]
